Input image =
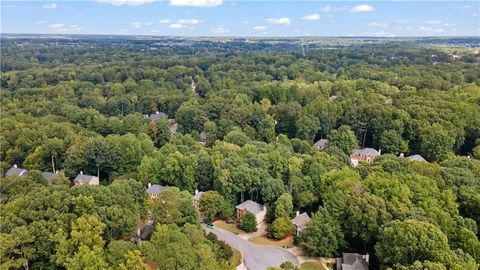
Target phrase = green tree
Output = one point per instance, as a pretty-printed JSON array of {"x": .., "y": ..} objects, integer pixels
[
  {"x": 248, "y": 223},
  {"x": 307, "y": 127},
  {"x": 212, "y": 204},
  {"x": 281, "y": 228},
  {"x": 323, "y": 235},
  {"x": 134, "y": 261},
  {"x": 435, "y": 142},
  {"x": 392, "y": 142},
  {"x": 344, "y": 138},
  {"x": 284, "y": 206}
]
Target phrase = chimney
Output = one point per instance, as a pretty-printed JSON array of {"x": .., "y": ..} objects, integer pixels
[
  {"x": 379, "y": 151},
  {"x": 149, "y": 184},
  {"x": 402, "y": 155},
  {"x": 56, "y": 172},
  {"x": 157, "y": 112},
  {"x": 297, "y": 213},
  {"x": 81, "y": 172},
  {"x": 196, "y": 191},
  {"x": 15, "y": 166},
  {"x": 366, "y": 257}
]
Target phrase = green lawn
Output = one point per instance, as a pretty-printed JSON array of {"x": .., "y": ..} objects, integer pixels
[
  {"x": 264, "y": 240},
  {"x": 228, "y": 227},
  {"x": 236, "y": 258},
  {"x": 312, "y": 266}
]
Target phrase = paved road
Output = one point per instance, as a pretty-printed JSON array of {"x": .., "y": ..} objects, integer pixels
[{"x": 255, "y": 257}]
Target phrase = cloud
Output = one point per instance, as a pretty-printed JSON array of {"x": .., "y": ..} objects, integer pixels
[
  {"x": 138, "y": 25},
  {"x": 378, "y": 24},
  {"x": 326, "y": 9},
  {"x": 434, "y": 22},
  {"x": 176, "y": 26},
  {"x": 282, "y": 21},
  {"x": 40, "y": 22},
  {"x": 259, "y": 27},
  {"x": 196, "y": 3},
  {"x": 311, "y": 17},
  {"x": 164, "y": 21},
  {"x": 188, "y": 21},
  {"x": 362, "y": 8},
  {"x": 60, "y": 27},
  {"x": 403, "y": 21},
  {"x": 219, "y": 30},
  {"x": 50, "y": 6},
  {"x": 182, "y": 23},
  {"x": 125, "y": 2},
  {"x": 381, "y": 33}
]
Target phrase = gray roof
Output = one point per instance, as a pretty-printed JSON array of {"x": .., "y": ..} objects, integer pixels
[
  {"x": 156, "y": 116},
  {"x": 48, "y": 176},
  {"x": 156, "y": 189},
  {"x": 14, "y": 171},
  {"x": 321, "y": 143},
  {"x": 301, "y": 220},
  {"x": 354, "y": 261},
  {"x": 416, "y": 158},
  {"x": 197, "y": 196},
  {"x": 251, "y": 206},
  {"x": 366, "y": 151},
  {"x": 85, "y": 179},
  {"x": 203, "y": 136}
]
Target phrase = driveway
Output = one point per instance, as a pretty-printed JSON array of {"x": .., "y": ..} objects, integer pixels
[{"x": 255, "y": 257}]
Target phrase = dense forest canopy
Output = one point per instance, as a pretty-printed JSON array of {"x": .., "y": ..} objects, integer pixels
[{"x": 79, "y": 105}]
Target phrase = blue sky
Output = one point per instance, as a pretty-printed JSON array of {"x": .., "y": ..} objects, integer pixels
[{"x": 243, "y": 18}]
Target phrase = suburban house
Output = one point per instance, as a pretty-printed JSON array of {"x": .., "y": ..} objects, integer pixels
[
  {"x": 253, "y": 207},
  {"x": 154, "y": 190},
  {"x": 353, "y": 261},
  {"x": 157, "y": 115},
  {"x": 320, "y": 144},
  {"x": 196, "y": 197},
  {"x": 416, "y": 158},
  {"x": 203, "y": 137},
  {"x": 363, "y": 155},
  {"x": 48, "y": 176},
  {"x": 83, "y": 179},
  {"x": 300, "y": 221},
  {"x": 15, "y": 171}
]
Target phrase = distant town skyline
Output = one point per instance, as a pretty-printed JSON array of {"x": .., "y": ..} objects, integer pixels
[{"x": 243, "y": 18}]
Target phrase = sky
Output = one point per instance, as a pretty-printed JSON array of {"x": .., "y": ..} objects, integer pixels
[{"x": 243, "y": 18}]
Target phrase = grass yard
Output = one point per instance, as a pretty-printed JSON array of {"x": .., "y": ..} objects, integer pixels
[
  {"x": 312, "y": 266},
  {"x": 264, "y": 240},
  {"x": 236, "y": 258},
  {"x": 228, "y": 227}
]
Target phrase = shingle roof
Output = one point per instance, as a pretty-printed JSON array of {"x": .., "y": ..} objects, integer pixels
[
  {"x": 197, "y": 196},
  {"x": 354, "y": 261},
  {"x": 251, "y": 206},
  {"x": 156, "y": 189},
  {"x": 48, "y": 176},
  {"x": 416, "y": 158},
  {"x": 14, "y": 171},
  {"x": 321, "y": 143},
  {"x": 86, "y": 179},
  {"x": 366, "y": 151},
  {"x": 156, "y": 116},
  {"x": 301, "y": 220}
]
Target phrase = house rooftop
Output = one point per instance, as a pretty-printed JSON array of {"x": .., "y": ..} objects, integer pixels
[
  {"x": 15, "y": 171},
  {"x": 156, "y": 116},
  {"x": 301, "y": 220},
  {"x": 416, "y": 158},
  {"x": 48, "y": 176},
  {"x": 320, "y": 144},
  {"x": 197, "y": 195},
  {"x": 251, "y": 206},
  {"x": 156, "y": 189},
  {"x": 355, "y": 261},
  {"x": 86, "y": 179},
  {"x": 366, "y": 151}
]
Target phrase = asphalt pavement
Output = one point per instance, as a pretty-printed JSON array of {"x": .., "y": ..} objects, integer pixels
[{"x": 255, "y": 257}]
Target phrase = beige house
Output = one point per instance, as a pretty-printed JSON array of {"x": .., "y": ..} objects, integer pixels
[
  {"x": 300, "y": 221},
  {"x": 253, "y": 207},
  {"x": 83, "y": 179},
  {"x": 363, "y": 155}
]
